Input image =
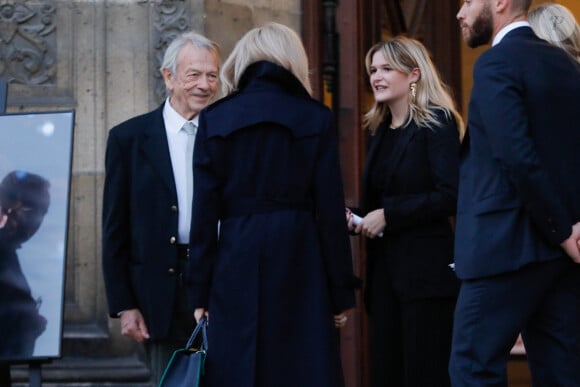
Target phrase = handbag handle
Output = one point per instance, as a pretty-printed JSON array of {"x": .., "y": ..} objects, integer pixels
[{"x": 200, "y": 327}]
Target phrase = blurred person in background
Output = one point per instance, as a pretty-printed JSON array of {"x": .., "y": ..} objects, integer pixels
[
  {"x": 24, "y": 201},
  {"x": 557, "y": 25}
]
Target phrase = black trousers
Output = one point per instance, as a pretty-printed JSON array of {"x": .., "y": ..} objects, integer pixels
[
  {"x": 410, "y": 340},
  {"x": 540, "y": 300},
  {"x": 182, "y": 325}
]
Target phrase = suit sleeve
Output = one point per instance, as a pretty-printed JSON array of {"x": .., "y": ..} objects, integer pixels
[
  {"x": 505, "y": 122},
  {"x": 204, "y": 221},
  {"x": 115, "y": 229},
  {"x": 330, "y": 213},
  {"x": 407, "y": 210}
]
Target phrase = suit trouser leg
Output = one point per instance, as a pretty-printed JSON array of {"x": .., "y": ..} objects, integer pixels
[
  {"x": 160, "y": 351},
  {"x": 182, "y": 325},
  {"x": 552, "y": 336},
  {"x": 158, "y": 355},
  {"x": 427, "y": 328},
  {"x": 386, "y": 353},
  {"x": 490, "y": 314}
]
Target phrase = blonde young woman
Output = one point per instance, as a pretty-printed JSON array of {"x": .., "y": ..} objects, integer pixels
[
  {"x": 410, "y": 187},
  {"x": 277, "y": 281},
  {"x": 557, "y": 25}
]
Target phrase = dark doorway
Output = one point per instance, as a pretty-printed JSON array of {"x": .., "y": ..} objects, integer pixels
[{"x": 337, "y": 35}]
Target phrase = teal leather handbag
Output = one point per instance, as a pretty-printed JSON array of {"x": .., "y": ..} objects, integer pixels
[{"x": 186, "y": 367}]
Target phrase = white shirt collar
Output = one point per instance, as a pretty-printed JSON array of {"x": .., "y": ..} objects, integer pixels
[
  {"x": 173, "y": 120},
  {"x": 510, "y": 27}
]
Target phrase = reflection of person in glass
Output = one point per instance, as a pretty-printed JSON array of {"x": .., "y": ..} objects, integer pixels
[{"x": 24, "y": 200}]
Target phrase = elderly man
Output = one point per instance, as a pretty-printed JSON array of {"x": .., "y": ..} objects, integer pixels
[{"x": 147, "y": 203}]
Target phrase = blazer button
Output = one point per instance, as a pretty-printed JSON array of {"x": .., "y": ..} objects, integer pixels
[
  {"x": 171, "y": 270},
  {"x": 174, "y": 208},
  {"x": 172, "y": 240}
]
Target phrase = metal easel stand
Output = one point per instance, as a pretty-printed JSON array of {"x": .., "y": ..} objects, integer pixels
[
  {"x": 5, "y": 374},
  {"x": 34, "y": 374}
]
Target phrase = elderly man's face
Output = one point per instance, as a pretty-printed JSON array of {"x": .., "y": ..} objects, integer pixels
[{"x": 195, "y": 81}]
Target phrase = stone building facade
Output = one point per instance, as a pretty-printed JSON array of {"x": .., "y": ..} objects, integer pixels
[{"x": 101, "y": 58}]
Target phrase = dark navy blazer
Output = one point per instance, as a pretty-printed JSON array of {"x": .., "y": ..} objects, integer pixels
[
  {"x": 140, "y": 221},
  {"x": 519, "y": 190}
]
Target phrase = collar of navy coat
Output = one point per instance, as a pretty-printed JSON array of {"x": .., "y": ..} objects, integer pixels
[
  {"x": 520, "y": 32},
  {"x": 267, "y": 93}
]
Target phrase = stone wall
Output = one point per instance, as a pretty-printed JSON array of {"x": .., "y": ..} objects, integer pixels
[{"x": 101, "y": 58}]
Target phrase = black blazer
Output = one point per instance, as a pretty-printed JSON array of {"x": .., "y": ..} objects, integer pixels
[
  {"x": 519, "y": 191},
  {"x": 140, "y": 221},
  {"x": 418, "y": 198}
]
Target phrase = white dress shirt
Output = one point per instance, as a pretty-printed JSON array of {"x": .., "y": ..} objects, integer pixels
[{"x": 177, "y": 139}]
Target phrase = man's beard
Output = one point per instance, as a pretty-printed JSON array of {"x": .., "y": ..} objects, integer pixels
[{"x": 481, "y": 31}]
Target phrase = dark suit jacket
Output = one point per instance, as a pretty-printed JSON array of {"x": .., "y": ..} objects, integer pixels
[
  {"x": 418, "y": 197},
  {"x": 519, "y": 188},
  {"x": 140, "y": 221}
]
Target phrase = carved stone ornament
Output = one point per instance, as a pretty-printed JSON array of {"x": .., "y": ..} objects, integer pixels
[
  {"x": 171, "y": 19},
  {"x": 27, "y": 43}
]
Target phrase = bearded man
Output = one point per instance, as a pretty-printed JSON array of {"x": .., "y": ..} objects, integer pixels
[{"x": 516, "y": 245}]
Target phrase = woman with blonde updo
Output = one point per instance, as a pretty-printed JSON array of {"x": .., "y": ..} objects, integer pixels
[
  {"x": 276, "y": 280},
  {"x": 557, "y": 25}
]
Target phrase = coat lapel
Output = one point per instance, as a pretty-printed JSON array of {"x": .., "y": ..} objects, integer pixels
[{"x": 155, "y": 148}]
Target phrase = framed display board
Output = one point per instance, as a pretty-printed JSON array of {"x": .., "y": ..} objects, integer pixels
[{"x": 35, "y": 174}]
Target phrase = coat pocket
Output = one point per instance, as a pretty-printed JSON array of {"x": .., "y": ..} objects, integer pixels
[{"x": 496, "y": 203}]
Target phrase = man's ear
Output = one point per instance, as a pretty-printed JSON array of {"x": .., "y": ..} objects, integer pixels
[
  {"x": 502, "y": 6},
  {"x": 3, "y": 220},
  {"x": 168, "y": 78}
]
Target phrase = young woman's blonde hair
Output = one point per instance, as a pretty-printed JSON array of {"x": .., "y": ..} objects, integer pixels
[
  {"x": 557, "y": 25},
  {"x": 405, "y": 54},
  {"x": 273, "y": 42}
]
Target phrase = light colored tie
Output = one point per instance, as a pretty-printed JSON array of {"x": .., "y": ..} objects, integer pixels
[{"x": 189, "y": 128}]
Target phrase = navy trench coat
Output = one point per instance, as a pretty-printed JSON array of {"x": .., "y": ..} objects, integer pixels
[{"x": 266, "y": 168}]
